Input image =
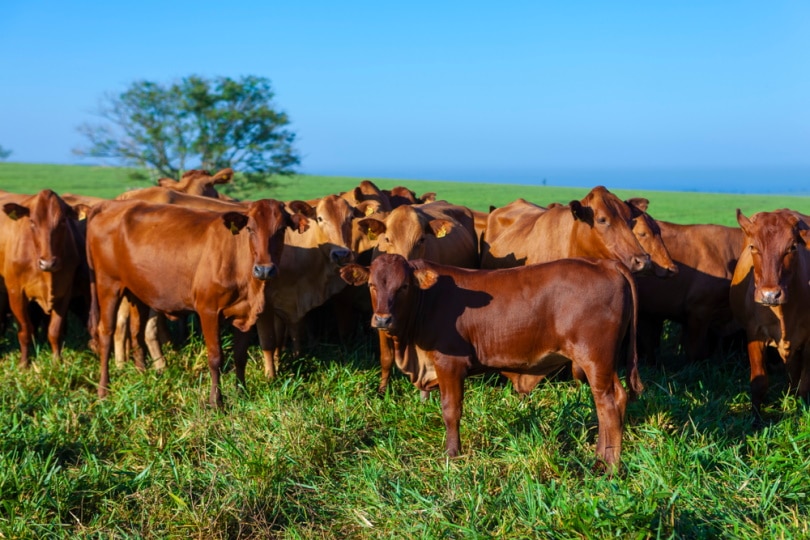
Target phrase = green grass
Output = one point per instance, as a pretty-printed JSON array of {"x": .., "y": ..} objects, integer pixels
[
  {"x": 316, "y": 453},
  {"x": 678, "y": 207}
]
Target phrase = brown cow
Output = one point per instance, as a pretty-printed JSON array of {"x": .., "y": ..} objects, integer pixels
[
  {"x": 132, "y": 321},
  {"x": 41, "y": 253},
  {"x": 178, "y": 259},
  {"x": 440, "y": 232},
  {"x": 697, "y": 297},
  {"x": 308, "y": 274},
  {"x": 769, "y": 297},
  {"x": 597, "y": 226},
  {"x": 530, "y": 320}
]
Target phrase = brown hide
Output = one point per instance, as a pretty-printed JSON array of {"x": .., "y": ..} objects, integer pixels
[
  {"x": 41, "y": 255},
  {"x": 528, "y": 320},
  {"x": 597, "y": 226},
  {"x": 440, "y": 232},
  {"x": 697, "y": 297},
  {"x": 368, "y": 191},
  {"x": 769, "y": 297},
  {"x": 176, "y": 260}
]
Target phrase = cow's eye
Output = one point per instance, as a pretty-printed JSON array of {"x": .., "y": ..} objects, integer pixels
[
  {"x": 753, "y": 249},
  {"x": 792, "y": 248},
  {"x": 642, "y": 235},
  {"x": 420, "y": 241},
  {"x": 320, "y": 219},
  {"x": 403, "y": 287},
  {"x": 601, "y": 220}
]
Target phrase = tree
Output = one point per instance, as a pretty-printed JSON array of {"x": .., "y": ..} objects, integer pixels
[
  {"x": 195, "y": 123},
  {"x": 4, "y": 153}
]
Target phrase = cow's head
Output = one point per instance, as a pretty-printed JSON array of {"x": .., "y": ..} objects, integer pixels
[
  {"x": 774, "y": 240},
  {"x": 648, "y": 234},
  {"x": 394, "y": 284},
  {"x": 47, "y": 216},
  {"x": 405, "y": 232},
  {"x": 609, "y": 235},
  {"x": 333, "y": 217},
  {"x": 265, "y": 222}
]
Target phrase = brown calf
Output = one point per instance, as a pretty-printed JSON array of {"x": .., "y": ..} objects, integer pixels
[{"x": 530, "y": 320}]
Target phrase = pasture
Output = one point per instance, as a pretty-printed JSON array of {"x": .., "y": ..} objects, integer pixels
[{"x": 317, "y": 453}]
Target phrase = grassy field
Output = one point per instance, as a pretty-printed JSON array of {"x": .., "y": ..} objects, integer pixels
[
  {"x": 316, "y": 453},
  {"x": 678, "y": 207}
]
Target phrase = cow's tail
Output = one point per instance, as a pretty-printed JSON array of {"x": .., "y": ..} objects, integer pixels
[{"x": 633, "y": 378}]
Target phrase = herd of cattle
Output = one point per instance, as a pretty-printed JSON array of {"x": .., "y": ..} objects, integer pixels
[{"x": 453, "y": 292}]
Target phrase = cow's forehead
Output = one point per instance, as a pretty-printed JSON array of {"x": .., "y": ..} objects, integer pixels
[
  {"x": 773, "y": 227},
  {"x": 389, "y": 269},
  {"x": 45, "y": 205},
  {"x": 600, "y": 199},
  {"x": 334, "y": 207}
]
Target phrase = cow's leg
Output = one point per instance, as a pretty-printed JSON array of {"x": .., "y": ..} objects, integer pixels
[
  {"x": 267, "y": 342},
  {"x": 137, "y": 329},
  {"x": 153, "y": 340},
  {"x": 121, "y": 333},
  {"x": 649, "y": 337},
  {"x": 107, "y": 305},
  {"x": 759, "y": 378},
  {"x": 209, "y": 322},
  {"x": 450, "y": 372},
  {"x": 610, "y": 402},
  {"x": 19, "y": 307},
  {"x": 386, "y": 359},
  {"x": 241, "y": 341},
  {"x": 296, "y": 332},
  {"x": 56, "y": 327}
]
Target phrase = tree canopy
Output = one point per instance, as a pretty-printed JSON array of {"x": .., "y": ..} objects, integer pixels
[
  {"x": 4, "y": 153},
  {"x": 195, "y": 123}
]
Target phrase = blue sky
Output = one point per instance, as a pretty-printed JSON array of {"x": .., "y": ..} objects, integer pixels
[{"x": 442, "y": 90}]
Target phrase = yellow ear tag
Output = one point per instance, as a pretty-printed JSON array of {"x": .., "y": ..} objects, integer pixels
[
  {"x": 441, "y": 233},
  {"x": 234, "y": 228},
  {"x": 369, "y": 210},
  {"x": 371, "y": 235}
]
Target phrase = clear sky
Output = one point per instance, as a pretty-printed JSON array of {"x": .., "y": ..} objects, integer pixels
[{"x": 441, "y": 90}]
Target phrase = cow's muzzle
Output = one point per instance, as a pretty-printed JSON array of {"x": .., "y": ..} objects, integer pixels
[
  {"x": 49, "y": 265},
  {"x": 341, "y": 256},
  {"x": 383, "y": 322},
  {"x": 640, "y": 264},
  {"x": 264, "y": 271},
  {"x": 772, "y": 296}
]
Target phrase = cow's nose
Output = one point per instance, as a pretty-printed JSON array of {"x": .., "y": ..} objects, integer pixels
[
  {"x": 381, "y": 321},
  {"x": 264, "y": 271},
  {"x": 771, "y": 297},
  {"x": 641, "y": 263},
  {"x": 48, "y": 265},
  {"x": 341, "y": 256}
]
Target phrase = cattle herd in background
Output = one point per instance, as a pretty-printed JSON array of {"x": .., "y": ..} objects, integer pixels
[{"x": 521, "y": 290}]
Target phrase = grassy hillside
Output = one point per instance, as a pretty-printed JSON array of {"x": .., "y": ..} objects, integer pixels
[
  {"x": 679, "y": 207},
  {"x": 316, "y": 453}
]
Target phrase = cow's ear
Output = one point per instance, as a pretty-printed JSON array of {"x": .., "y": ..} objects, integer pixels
[
  {"x": 430, "y": 196},
  {"x": 299, "y": 222},
  {"x": 81, "y": 210},
  {"x": 366, "y": 208},
  {"x": 301, "y": 207},
  {"x": 15, "y": 211},
  {"x": 744, "y": 222},
  {"x": 554, "y": 205},
  {"x": 804, "y": 234},
  {"x": 580, "y": 212},
  {"x": 354, "y": 274},
  {"x": 371, "y": 227},
  {"x": 223, "y": 177},
  {"x": 439, "y": 227},
  {"x": 425, "y": 278},
  {"x": 638, "y": 203},
  {"x": 234, "y": 221},
  {"x": 167, "y": 182}
]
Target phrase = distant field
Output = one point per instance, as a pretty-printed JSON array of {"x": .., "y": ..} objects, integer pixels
[
  {"x": 317, "y": 453},
  {"x": 679, "y": 207}
]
